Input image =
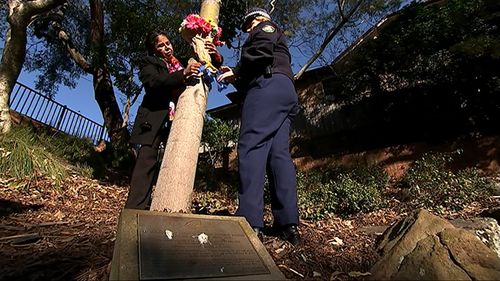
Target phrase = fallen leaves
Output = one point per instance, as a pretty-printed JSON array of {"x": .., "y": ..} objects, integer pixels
[
  {"x": 68, "y": 231},
  {"x": 336, "y": 241},
  {"x": 76, "y": 221}
]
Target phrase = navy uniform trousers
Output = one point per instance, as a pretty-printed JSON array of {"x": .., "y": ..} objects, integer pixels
[{"x": 267, "y": 113}]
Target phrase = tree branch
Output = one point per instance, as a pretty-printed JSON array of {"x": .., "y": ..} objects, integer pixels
[
  {"x": 70, "y": 47},
  {"x": 331, "y": 33},
  {"x": 36, "y": 7},
  {"x": 340, "y": 4}
]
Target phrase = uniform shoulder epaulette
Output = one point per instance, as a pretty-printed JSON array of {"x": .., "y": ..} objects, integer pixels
[{"x": 269, "y": 28}]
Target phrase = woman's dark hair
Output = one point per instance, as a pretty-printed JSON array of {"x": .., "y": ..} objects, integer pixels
[{"x": 151, "y": 40}]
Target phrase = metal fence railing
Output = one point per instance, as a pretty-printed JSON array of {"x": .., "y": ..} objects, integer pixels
[{"x": 36, "y": 106}]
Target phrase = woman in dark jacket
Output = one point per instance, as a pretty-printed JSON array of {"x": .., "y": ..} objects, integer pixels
[{"x": 164, "y": 79}]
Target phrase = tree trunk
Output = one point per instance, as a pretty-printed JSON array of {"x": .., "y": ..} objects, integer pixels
[
  {"x": 14, "y": 52},
  {"x": 13, "y": 57},
  {"x": 178, "y": 169},
  {"x": 103, "y": 86}
]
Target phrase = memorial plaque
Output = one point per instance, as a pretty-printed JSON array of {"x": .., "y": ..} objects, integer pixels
[
  {"x": 156, "y": 245},
  {"x": 175, "y": 247}
]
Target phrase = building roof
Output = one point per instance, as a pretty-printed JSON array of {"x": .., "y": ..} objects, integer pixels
[{"x": 225, "y": 112}]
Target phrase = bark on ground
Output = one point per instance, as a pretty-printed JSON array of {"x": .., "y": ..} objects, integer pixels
[{"x": 69, "y": 232}]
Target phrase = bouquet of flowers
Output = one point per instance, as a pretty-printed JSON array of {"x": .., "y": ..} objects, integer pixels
[
  {"x": 194, "y": 25},
  {"x": 196, "y": 30}
]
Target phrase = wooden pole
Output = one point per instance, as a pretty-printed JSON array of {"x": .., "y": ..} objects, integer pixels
[{"x": 178, "y": 169}]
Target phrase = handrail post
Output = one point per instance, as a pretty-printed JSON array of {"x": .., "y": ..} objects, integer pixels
[
  {"x": 61, "y": 116},
  {"x": 102, "y": 133}
]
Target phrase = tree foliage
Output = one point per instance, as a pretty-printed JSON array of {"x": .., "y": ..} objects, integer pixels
[
  {"x": 344, "y": 21},
  {"x": 218, "y": 136},
  {"x": 305, "y": 22},
  {"x": 454, "y": 44},
  {"x": 46, "y": 54},
  {"x": 430, "y": 73},
  {"x": 126, "y": 26},
  {"x": 127, "y": 22}
]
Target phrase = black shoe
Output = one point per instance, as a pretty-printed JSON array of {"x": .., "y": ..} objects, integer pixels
[
  {"x": 259, "y": 233},
  {"x": 291, "y": 234}
]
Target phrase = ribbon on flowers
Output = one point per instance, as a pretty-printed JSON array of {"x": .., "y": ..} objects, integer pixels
[{"x": 209, "y": 77}]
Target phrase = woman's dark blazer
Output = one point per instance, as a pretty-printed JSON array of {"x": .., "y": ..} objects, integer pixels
[{"x": 160, "y": 87}]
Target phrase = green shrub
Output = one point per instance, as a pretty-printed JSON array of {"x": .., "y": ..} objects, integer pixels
[
  {"x": 86, "y": 161},
  {"x": 339, "y": 190},
  {"x": 318, "y": 202},
  {"x": 24, "y": 156},
  {"x": 209, "y": 202},
  {"x": 73, "y": 149},
  {"x": 26, "y": 152},
  {"x": 355, "y": 196},
  {"x": 217, "y": 140},
  {"x": 431, "y": 184},
  {"x": 218, "y": 136}
]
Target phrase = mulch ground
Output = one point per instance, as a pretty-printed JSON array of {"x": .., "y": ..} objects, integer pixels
[{"x": 67, "y": 231}]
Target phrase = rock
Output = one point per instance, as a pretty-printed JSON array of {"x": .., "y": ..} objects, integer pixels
[
  {"x": 492, "y": 213},
  {"x": 429, "y": 261},
  {"x": 374, "y": 230},
  {"x": 426, "y": 247},
  {"x": 486, "y": 229},
  {"x": 469, "y": 253},
  {"x": 408, "y": 231}
]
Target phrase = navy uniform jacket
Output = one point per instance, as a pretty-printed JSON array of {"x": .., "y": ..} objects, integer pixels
[
  {"x": 265, "y": 46},
  {"x": 160, "y": 87}
]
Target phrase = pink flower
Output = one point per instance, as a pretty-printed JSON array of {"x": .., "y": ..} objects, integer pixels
[
  {"x": 192, "y": 18},
  {"x": 191, "y": 22},
  {"x": 202, "y": 27}
]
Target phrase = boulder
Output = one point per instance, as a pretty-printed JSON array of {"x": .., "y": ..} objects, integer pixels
[
  {"x": 492, "y": 213},
  {"x": 486, "y": 229},
  {"x": 426, "y": 247}
]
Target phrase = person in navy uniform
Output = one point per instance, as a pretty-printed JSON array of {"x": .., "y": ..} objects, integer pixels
[
  {"x": 164, "y": 78},
  {"x": 264, "y": 80}
]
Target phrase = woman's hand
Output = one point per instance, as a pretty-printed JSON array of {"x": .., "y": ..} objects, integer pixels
[
  {"x": 213, "y": 52},
  {"x": 227, "y": 76},
  {"x": 192, "y": 68}
]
